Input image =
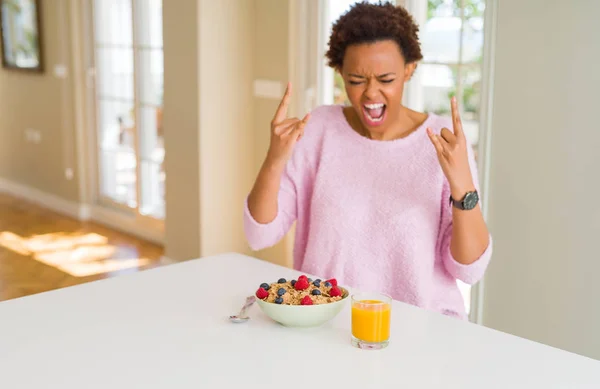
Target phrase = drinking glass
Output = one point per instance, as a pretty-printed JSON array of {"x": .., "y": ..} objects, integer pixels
[{"x": 371, "y": 314}]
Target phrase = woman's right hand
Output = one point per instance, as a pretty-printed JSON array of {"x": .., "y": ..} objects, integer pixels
[{"x": 285, "y": 132}]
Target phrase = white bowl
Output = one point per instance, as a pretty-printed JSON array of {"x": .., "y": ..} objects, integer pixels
[{"x": 303, "y": 315}]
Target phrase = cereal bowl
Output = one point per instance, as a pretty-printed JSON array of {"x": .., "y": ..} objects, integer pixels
[{"x": 291, "y": 313}]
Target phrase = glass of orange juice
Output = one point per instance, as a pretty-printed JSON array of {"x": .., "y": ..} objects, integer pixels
[{"x": 371, "y": 314}]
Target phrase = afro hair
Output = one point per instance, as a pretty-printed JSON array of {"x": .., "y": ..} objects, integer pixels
[{"x": 369, "y": 23}]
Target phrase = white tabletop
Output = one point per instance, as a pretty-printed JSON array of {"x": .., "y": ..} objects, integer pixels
[{"x": 168, "y": 328}]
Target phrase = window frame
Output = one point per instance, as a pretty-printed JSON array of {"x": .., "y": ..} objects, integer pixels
[
  {"x": 312, "y": 16},
  {"x": 101, "y": 207}
]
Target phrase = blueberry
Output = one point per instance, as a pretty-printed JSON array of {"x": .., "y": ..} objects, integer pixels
[
  {"x": 278, "y": 300},
  {"x": 316, "y": 292},
  {"x": 293, "y": 282},
  {"x": 265, "y": 286},
  {"x": 327, "y": 284},
  {"x": 280, "y": 292},
  {"x": 317, "y": 283},
  {"x": 281, "y": 281}
]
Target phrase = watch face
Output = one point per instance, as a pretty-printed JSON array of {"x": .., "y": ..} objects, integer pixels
[{"x": 470, "y": 200}]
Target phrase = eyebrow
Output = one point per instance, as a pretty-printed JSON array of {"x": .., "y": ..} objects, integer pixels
[{"x": 380, "y": 76}]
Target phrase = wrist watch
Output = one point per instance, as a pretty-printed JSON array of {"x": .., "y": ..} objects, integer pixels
[{"x": 468, "y": 202}]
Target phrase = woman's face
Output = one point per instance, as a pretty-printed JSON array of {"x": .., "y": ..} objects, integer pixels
[{"x": 374, "y": 76}]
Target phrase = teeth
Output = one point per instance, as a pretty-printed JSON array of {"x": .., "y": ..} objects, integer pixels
[{"x": 374, "y": 106}]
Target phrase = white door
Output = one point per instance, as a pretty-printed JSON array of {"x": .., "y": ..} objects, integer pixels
[{"x": 128, "y": 69}]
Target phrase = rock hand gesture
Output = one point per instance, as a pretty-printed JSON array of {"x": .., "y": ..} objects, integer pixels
[
  {"x": 285, "y": 132},
  {"x": 451, "y": 147}
]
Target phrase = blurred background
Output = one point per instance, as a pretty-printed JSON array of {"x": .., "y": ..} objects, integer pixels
[{"x": 132, "y": 130}]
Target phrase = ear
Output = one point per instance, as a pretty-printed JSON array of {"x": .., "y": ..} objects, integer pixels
[{"x": 409, "y": 70}]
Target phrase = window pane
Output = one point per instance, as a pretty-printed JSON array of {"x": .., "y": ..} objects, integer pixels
[
  {"x": 115, "y": 73},
  {"x": 112, "y": 22},
  {"x": 151, "y": 76},
  {"x": 118, "y": 178},
  {"x": 472, "y": 38},
  {"x": 439, "y": 84},
  {"x": 470, "y": 101},
  {"x": 339, "y": 91},
  {"x": 440, "y": 35},
  {"x": 150, "y": 23},
  {"x": 117, "y": 125},
  {"x": 151, "y": 133},
  {"x": 153, "y": 189}
]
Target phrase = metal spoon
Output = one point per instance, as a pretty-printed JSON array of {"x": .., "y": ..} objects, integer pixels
[{"x": 242, "y": 317}]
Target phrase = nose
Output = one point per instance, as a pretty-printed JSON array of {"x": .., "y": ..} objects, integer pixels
[{"x": 372, "y": 90}]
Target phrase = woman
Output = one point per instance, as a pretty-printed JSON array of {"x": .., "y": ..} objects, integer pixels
[{"x": 385, "y": 198}]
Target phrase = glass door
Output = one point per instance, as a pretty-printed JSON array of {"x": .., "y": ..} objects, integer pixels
[
  {"x": 128, "y": 57},
  {"x": 452, "y": 37}
]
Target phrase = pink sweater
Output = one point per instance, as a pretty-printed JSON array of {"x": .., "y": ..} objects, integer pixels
[{"x": 373, "y": 214}]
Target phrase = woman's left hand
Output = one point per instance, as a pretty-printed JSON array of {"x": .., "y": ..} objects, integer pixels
[{"x": 452, "y": 154}]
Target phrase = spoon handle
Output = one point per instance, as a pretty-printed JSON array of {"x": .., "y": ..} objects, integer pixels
[{"x": 249, "y": 301}]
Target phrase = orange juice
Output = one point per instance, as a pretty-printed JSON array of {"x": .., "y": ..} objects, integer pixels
[{"x": 371, "y": 320}]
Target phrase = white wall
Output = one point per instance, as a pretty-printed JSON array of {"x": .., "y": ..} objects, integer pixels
[
  {"x": 226, "y": 50},
  {"x": 544, "y": 211},
  {"x": 209, "y": 117},
  {"x": 182, "y": 114}
]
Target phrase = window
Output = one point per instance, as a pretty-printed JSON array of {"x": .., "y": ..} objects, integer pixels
[
  {"x": 451, "y": 33},
  {"x": 128, "y": 93},
  {"x": 452, "y": 37}
]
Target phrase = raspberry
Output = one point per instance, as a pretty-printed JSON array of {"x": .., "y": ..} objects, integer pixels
[
  {"x": 303, "y": 277},
  {"x": 335, "y": 291},
  {"x": 332, "y": 281},
  {"x": 306, "y": 301},
  {"x": 261, "y": 293},
  {"x": 301, "y": 284}
]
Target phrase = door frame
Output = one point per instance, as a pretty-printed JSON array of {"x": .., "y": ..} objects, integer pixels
[
  {"x": 303, "y": 17},
  {"x": 97, "y": 207}
]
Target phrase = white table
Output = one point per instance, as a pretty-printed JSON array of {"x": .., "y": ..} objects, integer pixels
[{"x": 168, "y": 328}]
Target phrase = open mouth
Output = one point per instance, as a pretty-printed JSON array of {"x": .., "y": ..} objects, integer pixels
[{"x": 374, "y": 113}]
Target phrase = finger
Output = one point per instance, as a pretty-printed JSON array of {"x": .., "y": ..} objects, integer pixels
[
  {"x": 293, "y": 130},
  {"x": 456, "y": 122},
  {"x": 285, "y": 131},
  {"x": 302, "y": 123},
  {"x": 436, "y": 142},
  {"x": 284, "y": 125},
  {"x": 444, "y": 146},
  {"x": 448, "y": 136},
  {"x": 297, "y": 132},
  {"x": 306, "y": 118},
  {"x": 281, "y": 112}
]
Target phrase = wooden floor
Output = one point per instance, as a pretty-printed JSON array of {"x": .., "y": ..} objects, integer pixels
[{"x": 41, "y": 250}]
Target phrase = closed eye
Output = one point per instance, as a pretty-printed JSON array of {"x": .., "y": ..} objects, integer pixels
[{"x": 360, "y": 82}]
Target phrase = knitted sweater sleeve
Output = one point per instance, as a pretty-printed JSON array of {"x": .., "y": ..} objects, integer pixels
[
  {"x": 295, "y": 182},
  {"x": 259, "y": 235}
]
